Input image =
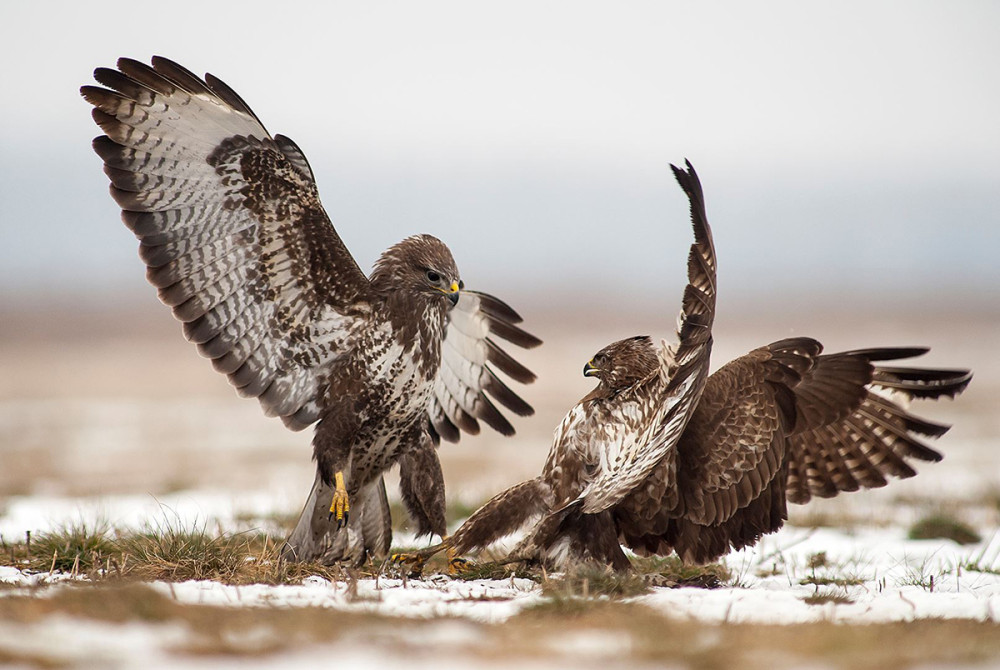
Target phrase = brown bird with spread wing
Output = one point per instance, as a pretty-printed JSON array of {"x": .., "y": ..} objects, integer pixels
[
  {"x": 661, "y": 457},
  {"x": 238, "y": 245}
]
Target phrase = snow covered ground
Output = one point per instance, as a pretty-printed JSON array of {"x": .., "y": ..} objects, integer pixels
[
  {"x": 868, "y": 576},
  {"x": 140, "y": 433}
]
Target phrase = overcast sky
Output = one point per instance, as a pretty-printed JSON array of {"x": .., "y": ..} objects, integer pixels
[{"x": 840, "y": 144}]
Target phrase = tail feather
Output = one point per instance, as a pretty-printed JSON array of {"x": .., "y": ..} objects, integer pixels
[
  {"x": 316, "y": 538},
  {"x": 569, "y": 536}
]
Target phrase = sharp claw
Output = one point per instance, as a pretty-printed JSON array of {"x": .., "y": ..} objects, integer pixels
[
  {"x": 458, "y": 566},
  {"x": 340, "y": 506},
  {"x": 415, "y": 562}
]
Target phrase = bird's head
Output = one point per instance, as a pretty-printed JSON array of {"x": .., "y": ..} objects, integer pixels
[
  {"x": 623, "y": 363},
  {"x": 420, "y": 264}
]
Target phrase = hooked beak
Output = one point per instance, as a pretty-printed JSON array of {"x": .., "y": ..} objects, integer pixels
[
  {"x": 452, "y": 292},
  {"x": 589, "y": 370}
]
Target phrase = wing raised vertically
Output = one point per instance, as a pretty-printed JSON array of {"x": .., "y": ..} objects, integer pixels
[
  {"x": 627, "y": 463},
  {"x": 232, "y": 231}
]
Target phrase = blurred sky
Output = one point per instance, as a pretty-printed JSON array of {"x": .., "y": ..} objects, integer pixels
[{"x": 842, "y": 145}]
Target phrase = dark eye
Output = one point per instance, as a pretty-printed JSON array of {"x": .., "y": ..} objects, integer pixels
[
  {"x": 433, "y": 277},
  {"x": 461, "y": 284}
]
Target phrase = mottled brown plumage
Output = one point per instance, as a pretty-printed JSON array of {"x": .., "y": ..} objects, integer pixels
[
  {"x": 662, "y": 458},
  {"x": 238, "y": 244}
]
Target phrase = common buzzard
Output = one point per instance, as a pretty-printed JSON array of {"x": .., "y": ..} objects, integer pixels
[
  {"x": 238, "y": 245},
  {"x": 661, "y": 457}
]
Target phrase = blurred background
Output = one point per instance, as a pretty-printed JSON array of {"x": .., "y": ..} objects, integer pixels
[{"x": 850, "y": 154}]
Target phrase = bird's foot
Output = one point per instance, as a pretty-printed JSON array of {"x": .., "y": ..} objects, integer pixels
[
  {"x": 456, "y": 564},
  {"x": 340, "y": 506},
  {"x": 414, "y": 562}
]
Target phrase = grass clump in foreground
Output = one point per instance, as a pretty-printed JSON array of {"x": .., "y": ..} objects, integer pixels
[
  {"x": 943, "y": 526},
  {"x": 166, "y": 552},
  {"x": 575, "y": 591},
  {"x": 594, "y": 581},
  {"x": 671, "y": 571},
  {"x": 75, "y": 548}
]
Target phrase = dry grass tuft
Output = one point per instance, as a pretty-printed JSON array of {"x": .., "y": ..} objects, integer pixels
[
  {"x": 164, "y": 552},
  {"x": 594, "y": 582},
  {"x": 78, "y": 548},
  {"x": 491, "y": 570},
  {"x": 825, "y": 598},
  {"x": 670, "y": 571},
  {"x": 943, "y": 526}
]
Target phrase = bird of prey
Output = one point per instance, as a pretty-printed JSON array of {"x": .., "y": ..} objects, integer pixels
[
  {"x": 661, "y": 457},
  {"x": 238, "y": 245}
]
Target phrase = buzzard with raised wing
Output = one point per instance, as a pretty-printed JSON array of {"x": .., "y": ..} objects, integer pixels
[
  {"x": 238, "y": 245},
  {"x": 661, "y": 457}
]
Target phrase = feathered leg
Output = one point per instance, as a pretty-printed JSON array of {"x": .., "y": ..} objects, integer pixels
[
  {"x": 421, "y": 484},
  {"x": 335, "y": 526},
  {"x": 503, "y": 514}
]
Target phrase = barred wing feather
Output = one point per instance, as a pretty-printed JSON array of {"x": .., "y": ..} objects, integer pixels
[
  {"x": 232, "y": 231},
  {"x": 683, "y": 371},
  {"x": 467, "y": 378}
]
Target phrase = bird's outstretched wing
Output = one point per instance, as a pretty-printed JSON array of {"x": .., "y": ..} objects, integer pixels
[
  {"x": 232, "y": 231},
  {"x": 786, "y": 422},
  {"x": 684, "y": 368},
  {"x": 873, "y": 437},
  {"x": 466, "y": 378},
  {"x": 735, "y": 442}
]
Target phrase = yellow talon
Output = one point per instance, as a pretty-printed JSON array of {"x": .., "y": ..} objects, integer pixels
[
  {"x": 414, "y": 563},
  {"x": 340, "y": 506},
  {"x": 456, "y": 564}
]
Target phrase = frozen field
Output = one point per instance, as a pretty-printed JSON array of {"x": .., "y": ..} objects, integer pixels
[{"x": 117, "y": 421}]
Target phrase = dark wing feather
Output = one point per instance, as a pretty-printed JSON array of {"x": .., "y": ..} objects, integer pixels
[
  {"x": 683, "y": 370},
  {"x": 466, "y": 380},
  {"x": 785, "y": 423},
  {"x": 696, "y": 543},
  {"x": 734, "y": 445},
  {"x": 232, "y": 229},
  {"x": 873, "y": 438}
]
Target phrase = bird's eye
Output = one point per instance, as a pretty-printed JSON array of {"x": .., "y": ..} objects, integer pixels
[
  {"x": 433, "y": 277},
  {"x": 461, "y": 284}
]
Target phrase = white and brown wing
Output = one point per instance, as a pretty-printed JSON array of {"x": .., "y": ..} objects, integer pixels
[
  {"x": 232, "y": 230},
  {"x": 628, "y": 460},
  {"x": 470, "y": 357}
]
